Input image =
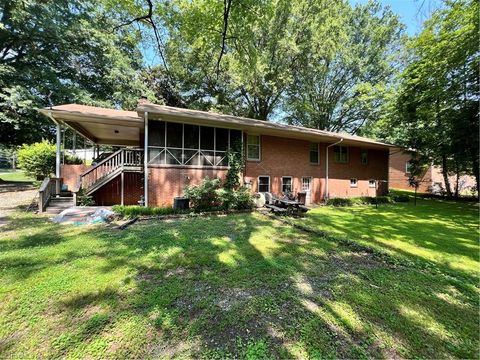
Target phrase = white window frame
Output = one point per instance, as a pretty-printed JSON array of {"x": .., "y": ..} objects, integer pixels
[
  {"x": 310, "y": 183},
  {"x": 269, "y": 183},
  {"x": 318, "y": 152},
  {"x": 363, "y": 151},
  {"x": 354, "y": 185},
  {"x": 259, "y": 147},
  {"x": 370, "y": 185},
  {"x": 291, "y": 183},
  {"x": 407, "y": 166}
]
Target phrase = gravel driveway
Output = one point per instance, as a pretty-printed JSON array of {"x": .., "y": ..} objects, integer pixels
[{"x": 14, "y": 200}]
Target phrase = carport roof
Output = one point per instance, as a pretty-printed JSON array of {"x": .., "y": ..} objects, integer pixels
[{"x": 100, "y": 125}]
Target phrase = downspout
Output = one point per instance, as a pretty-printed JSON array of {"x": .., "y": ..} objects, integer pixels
[
  {"x": 327, "y": 194},
  {"x": 145, "y": 162}
]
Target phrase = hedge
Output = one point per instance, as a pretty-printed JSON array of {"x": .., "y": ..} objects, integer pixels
[
  {"x": 136, "y": 210},
  {"x": 367, "y": 200}
]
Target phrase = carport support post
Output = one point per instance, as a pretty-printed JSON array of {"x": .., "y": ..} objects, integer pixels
[
  {"x": 122, "y": 179},
  {"x": 58, "y": 158},
  {"x": 145, "y": 162}
]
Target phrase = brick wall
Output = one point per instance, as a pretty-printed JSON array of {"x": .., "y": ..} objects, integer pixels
[
  {"x": 398, "y": 178},
  {"x": 279, "y": 157},
  {"x": 288, "y": 157},
  {"x": 165, "y": 183},
  {"x": 71, "y": 173}
]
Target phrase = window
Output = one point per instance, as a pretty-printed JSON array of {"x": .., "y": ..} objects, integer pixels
[
  {"x": 340, "y": 154},
  {"x": 408, "y": 167},
  {"x": 314, "y": 154},
  {"x": 253, "y": 147},
  {"x": 189, "y": 145},
  {"x": 353, "y": 183},
  {"x": 264, "y": 184},
  {"x": 287, "y": 184},
  {"x": 364, "y": 157},
  {"x": 306, "y": 183},
  {"x": 372, "y": 183}
]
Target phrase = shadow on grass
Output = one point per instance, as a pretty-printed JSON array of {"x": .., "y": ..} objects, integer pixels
[{"x": 244, "y": 284}]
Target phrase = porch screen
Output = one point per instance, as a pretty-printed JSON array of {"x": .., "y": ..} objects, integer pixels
[{"x": 189, "y": 145}]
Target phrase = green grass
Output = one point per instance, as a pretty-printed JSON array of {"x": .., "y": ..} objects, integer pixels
[
  {"x": 219, "y": 287},
  {"x": 9, "y": 175},
  {"x": 441, "y": 233}
]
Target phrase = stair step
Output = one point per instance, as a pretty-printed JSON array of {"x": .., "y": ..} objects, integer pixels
[{"x": 60, "y": 204}]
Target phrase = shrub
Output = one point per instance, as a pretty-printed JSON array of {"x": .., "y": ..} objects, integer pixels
[
  {"x": 241, "y": 199},
  {"x": 73, "y": 159},
  {"x": 204, "y": 196},
  {"x": 38, "y": 159},
  {"x": 84, "y": 199},
  {"x": 364, "y": 200},
  {"x": 136, "y": 210},
  {"x": 401, "y": 198},
  {"x": 382, "y": 200},
  {"x": 340, "y": 202},
  {"x": 210, "y": 196}
]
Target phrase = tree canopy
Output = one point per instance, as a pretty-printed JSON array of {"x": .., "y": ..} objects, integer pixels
[{"x": 435, "y": 108}]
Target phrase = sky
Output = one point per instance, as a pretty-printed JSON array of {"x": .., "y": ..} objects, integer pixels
[{"x": 411, "y": 12}]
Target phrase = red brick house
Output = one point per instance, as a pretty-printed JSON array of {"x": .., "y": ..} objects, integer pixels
[
  {"x": 184, "y": 146},
  {"x": 431, "y": 180}
]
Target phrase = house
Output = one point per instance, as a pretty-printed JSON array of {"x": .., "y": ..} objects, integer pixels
[
  {"x": 184, "y": 146},
  {"x": 431, "y": 180}
]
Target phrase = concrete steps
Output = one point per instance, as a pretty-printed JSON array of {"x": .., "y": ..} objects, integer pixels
[{"x": 58, "y": 204}]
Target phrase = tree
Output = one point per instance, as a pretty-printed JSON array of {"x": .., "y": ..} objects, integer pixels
[
  {"x": 261, "y": 47},
  {"x": 343, "y": 88},
  {"x": 62, "y": 51},
  {"x": 436, "y": 106}
]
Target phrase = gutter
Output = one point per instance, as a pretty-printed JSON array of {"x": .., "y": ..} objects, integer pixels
[{"x": 327, "y": 194}]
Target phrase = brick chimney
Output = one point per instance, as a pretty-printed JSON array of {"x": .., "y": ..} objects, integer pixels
[{"x": 143, "y": 101}]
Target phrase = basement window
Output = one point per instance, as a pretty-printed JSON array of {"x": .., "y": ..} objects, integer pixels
[
  {"x": 263, "y": 184},
  {"x": 287, "y": 182},
  {"x": 353, "y": 183},
  {"x": 372, "y": 183}
]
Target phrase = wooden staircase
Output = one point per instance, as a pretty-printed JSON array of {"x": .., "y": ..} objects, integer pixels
[
  {"x": 124, "y": 160},
  {"x": 53, "y": 201}
]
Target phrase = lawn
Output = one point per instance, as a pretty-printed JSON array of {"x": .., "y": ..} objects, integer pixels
[
  {"x": 230, "y": 286},
  {"x": 441, "y": 233},
  {"x": 9, "y": 175}
]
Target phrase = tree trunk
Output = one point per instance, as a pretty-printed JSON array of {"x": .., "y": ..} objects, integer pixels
[
  {"x": 457, "y": 179},
  {"x": 476, "y": 172},
  {"x": 445, "y": 175}
]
